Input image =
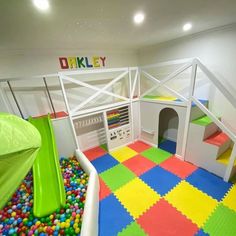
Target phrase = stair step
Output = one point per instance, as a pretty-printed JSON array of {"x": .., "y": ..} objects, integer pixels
[
  {"x": 203, "y": 121},
  {"x": 224, "y": 158},
  {"x": 217, "y": 139}
]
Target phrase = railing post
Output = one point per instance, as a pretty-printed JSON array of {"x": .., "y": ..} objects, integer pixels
[
  {"x": 49, "y": 96},
  {"x": 189, "y": 106},
  {"x": 3, "y": 95},
  {"x": 230, "y": 164},
  {"x": 131, "y": 106},
  {"x": 69, "y": 112},
  {"x": 14, "y": 97}
]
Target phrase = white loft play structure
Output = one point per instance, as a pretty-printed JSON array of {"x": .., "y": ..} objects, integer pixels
[{"x": 180, "y": 100}]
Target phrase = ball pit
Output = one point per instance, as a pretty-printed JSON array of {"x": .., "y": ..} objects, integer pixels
[{"x": 17, "y": 218}]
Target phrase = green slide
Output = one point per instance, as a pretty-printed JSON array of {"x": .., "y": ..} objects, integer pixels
[
  {"x": 49, "y": 191},
  {"x": 19, "y": 145}
]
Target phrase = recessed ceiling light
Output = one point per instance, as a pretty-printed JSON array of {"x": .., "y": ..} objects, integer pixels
[
  {"x": 139, "y": 18},
  {"x": 187, "y": 26},
  {"x": 42, "y": 5}
]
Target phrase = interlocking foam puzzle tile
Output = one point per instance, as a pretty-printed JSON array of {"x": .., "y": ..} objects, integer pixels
[
  {"x": 94, "y": 153},
  {"x": 230, "y": 198},
  {"x": 178, "y": 167},
  {"x": 123, "y": 154},
  {"x": 132, "y": 229},
  {"x": 209, "y": 183},
  {"x": 104, "y": 147},
  {"x": 221, "y": 222},
  {"x": 117, "y": 176},
  {"x": 139, "y": 146},
  {"x": 112, "y": 217},
  {"x": 104, "y": 162},
  {"x": 136, "y": 197},
  {"x": 160, "y": 180},
  {"x": 168, "y": 146},
  {"x": 194, "y": 204},
  {"x": 104, "y": 190},
  {"x": 201, "y": 233},
  {"x": 163, "y": 219},
  {"x": 139, "y": 164},
  {"x": 156, "y": 155}
]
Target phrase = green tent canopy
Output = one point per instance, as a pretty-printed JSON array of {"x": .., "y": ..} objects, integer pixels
[{"x": 19, "y": 145}]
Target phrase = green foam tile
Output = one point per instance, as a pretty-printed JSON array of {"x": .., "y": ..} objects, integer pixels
[
  {"x": 104, "y": 147},
  {"x": 203, "y": 121},
  {"x": 221, "y": 222},
  {"x": 132, "y": 229},
  {"x": 156, "y": 155},
  {"x": 117, "y": 176}
]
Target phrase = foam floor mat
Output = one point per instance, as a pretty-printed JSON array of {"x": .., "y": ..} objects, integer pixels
[{"x": 148, "y": 191}]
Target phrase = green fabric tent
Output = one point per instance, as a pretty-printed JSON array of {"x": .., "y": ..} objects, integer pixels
[{"x": 19, "y": 145}]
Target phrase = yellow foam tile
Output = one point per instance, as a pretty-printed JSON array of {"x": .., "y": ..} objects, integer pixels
[
  {"x": 224, "y": 158},
  {"x": 123, "y": 154},
  {"x": 230, "y": 198},
  {"x": 194, "y": 204},
  {"x": 137, "y": 197}
]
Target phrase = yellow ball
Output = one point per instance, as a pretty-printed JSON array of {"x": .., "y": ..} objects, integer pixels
[
  {"x": 63, "y": 224},
  {"x": 75, "y": 226},
  {"x": 37, "y": 223},
  {"x": 13, "y": 214},
  {"x": 77, "y": 230}
]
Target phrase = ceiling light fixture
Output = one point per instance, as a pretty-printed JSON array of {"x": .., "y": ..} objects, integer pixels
[
  {"x": 187, "y": 27},
  {"x": 139, "y": 18},
  {"x": 42, "y": 5}
]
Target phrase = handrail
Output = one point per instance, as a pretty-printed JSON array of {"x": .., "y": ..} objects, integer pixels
[{"x": 217, "y": 83}]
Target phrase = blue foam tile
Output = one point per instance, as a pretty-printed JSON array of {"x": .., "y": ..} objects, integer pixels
[
  {"x": 168, "y": 146},
  {"x": 162, "y": 181},
  {"x": 202, "y": 101},
  {"x": 201, "y": 233},
  {"x": 112, "y": 217},
  {"x": 104, "y": 162},
  {"x": 209, "y": 183}
]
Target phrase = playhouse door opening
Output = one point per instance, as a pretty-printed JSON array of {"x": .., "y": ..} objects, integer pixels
[{"x": 168, "y": 130}]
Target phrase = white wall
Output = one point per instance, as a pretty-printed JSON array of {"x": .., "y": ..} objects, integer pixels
[
  {"x": 19, "y": 63},
  {"x": 215, "y": 48}
]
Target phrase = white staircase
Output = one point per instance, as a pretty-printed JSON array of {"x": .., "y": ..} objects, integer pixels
[{"x": 207, "y": 146}]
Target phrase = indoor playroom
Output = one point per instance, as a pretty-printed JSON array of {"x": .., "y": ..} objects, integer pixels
[{"x": 128, "y": 138}]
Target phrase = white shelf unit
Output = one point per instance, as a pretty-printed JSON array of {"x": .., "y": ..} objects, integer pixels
[{"x": 118, "y": 127}]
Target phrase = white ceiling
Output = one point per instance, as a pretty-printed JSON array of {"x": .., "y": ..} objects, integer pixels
[{"x": 77, "y": 24}]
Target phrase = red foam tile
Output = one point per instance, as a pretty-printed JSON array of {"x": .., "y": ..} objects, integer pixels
[
  {"x": 94, "y": 153},
  {"x": 59, "y": 114},
  {"x": 139, "y": 164},
  {"x": 104, "y": 190},
  {"x": 139, "y": 146},
  {"x": 163, "y": 219},
  {"x": 218, "y": 139},
  {"x": 180, "y": 168}
]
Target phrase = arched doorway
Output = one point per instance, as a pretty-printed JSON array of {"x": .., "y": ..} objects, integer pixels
[{"x": 168, "y": 130}]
